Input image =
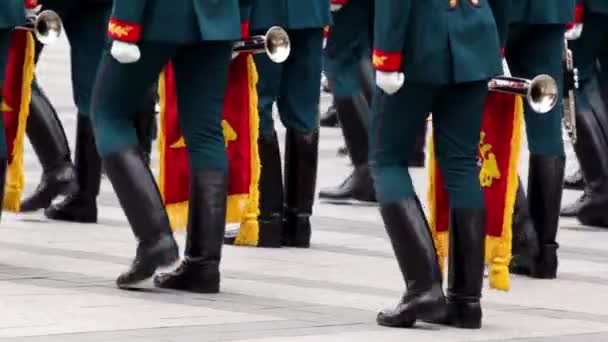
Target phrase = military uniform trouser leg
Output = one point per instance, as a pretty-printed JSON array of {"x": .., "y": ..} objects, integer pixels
[
  {"x": 200, "y": 75},
  {"x": 294, "y": 85},
  {"x": 395, "y": 123},
  {"x": 533, "y": 50}
]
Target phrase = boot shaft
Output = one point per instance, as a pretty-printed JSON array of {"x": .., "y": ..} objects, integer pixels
[
  {"x": 353, "y": 113},
  {"x": 87, "y": 159},
  {"x": 271, "y": 177},
  {"x": 301, "y": 159}
]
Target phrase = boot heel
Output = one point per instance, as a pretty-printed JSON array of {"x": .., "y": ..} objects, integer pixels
[
  {"x": 465, "y": 315},
  {"x": 271, "y": 232}
]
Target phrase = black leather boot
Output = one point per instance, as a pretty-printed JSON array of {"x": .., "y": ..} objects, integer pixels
[
  {"x": 546, "y": 175},
  {"x": 199, "y": 272},
  {"x": 592, "y": 151},
  {"x": 574, "y": 181},
  {"x": 140, "y": 199},
  {"x": 353, "y": 113},
  {"x": 465, "y": 278},
  {"x": 413, "y": 245},
  {"x": 82, "y": 205},
  {"x": 271, "y": 193},
  {"x": 46, "y": 134},
  {"x": 301, "y": 158},
  {"x": 524, "y": 240}
]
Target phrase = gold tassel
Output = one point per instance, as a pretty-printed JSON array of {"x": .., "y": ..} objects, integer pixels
[
  {"x": 250, "y": 229},
  {"x": 498, "y": 250},
  {"x": 15, "y": 179}
]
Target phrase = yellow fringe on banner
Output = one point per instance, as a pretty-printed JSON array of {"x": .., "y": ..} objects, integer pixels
[
  {"x": 441, "y": 238},
  {"x": 15, "y": 179},
  {"x": 250, "y": 229},
  {"x": 498, "y": 249},
  {"x": 177, "y": 212}
]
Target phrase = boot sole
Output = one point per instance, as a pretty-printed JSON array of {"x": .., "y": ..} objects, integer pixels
[
  {"x": 162, "y": 260},
  {"x": 47, "y": 200}
]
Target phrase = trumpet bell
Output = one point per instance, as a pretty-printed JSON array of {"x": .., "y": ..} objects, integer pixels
[
  {"x": 543, "y": 94},
  {"x": 278, "y": 46},
  {"x": 48, "y": 27}
]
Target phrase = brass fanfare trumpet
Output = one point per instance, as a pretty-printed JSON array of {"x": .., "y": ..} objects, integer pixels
[
  {"x": 46, "y": 26},
  {"x": 275, "y": 43},
  {"x": 541, "y": 93}
]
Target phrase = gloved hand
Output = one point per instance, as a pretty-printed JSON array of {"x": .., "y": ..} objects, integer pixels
[
  {"x": 335, "y": 7},
  {"x": 574, "y": 31},
  {"x": 234, "y": 55},
  {"x": 125, "y": 52},
  {"x": 32, "y": 12},
  {"x": 389, "y": 82}
]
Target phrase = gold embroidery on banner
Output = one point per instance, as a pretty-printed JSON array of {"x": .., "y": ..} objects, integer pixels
[
  {"x": 489, "y": 166},
  {"x": 229, "y": 132}
]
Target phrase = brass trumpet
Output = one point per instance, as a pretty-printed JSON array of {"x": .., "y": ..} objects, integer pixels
[
  {"x": 541, "y": 93},
  {"x": 275, "y": 43},
  {"x": 46, "y": 26}
]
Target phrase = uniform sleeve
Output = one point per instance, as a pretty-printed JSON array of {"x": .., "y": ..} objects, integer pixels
[
  {"x": 29, "y": 4},
  {"x": 339, "y": 2},
  {"x": 502, "y": 11},
  {"x": 126, "y": 20},
  {"x": 245, "y": 7},
  {"x": 391, "y": 21}
]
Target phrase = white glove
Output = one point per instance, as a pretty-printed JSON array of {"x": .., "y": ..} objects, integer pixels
[
  {"x": 125, "y": 52},
  {"x": 32, "y": 12},
  {"x": 390, "y": 82},
  {"x": 335, "y": 7},
  {"x": 234, "y": 55},
  {"x": 575, "y": 32}
]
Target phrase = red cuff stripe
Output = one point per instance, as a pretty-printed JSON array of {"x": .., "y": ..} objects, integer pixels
[
  {"x": 339, "y": 2},
  {"x": 123, "y": 31},
  {"x": 502, "y": 51},
  {"x": 578, "y": 13},
  {"x": 326, "y": 31},
  {"x": 245, "y": 29},
  {"x": 31, "y": 3},
  {"x": 385, "y": 61}
]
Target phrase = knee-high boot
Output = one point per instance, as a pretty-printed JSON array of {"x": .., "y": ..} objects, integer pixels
[
  {"x": 465, "y": 278},
  {"x": 592, "y": 152},
  {"x": 82, "y": 205},
  {"x": 47, "y": 136},
  {"x": 271, "y": 193},
  {"x": 301, "y": 158},
  {"x": 524, "y": 239},
  {"x": 199, "y": 272},
  {"x": 414, "y": 249},
  {"x": 546, "y": 174},
  {"x": 145, "y": 124},
  {"x": 140, "y": 199},
  {"x": 353, "y": 112}
]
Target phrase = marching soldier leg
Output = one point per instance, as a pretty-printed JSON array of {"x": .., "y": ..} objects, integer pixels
[
  {"x": 201, "y": 74},
  {"x": 113, "y": 109},
  {"x": 526, "y": 44},
  {"x": 457, "y": 151},
  {"x": 145, "y": 123},
  {"x": 525, "y": 241},
  {"x": 47, "y": 136},
  {"x": 298, "y": 105},
  {"x": 5, "y": 37},
  {"x": 271, "y": 177},
  {"x": 391, "y": 142},
  {"x": 86, "y": 31}
]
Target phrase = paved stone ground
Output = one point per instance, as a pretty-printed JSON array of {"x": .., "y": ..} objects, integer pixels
[{"x": 57, "y": 279}]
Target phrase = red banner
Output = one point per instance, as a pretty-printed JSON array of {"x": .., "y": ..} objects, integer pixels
[
  {"x": 499, "y": 147},
  {"x": 240, "y": 124},
  {"x": 16, "y": 96}
]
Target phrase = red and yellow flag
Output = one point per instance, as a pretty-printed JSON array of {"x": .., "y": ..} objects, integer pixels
[
  {"x": 240, "y": 124},
  {"x": 16, "y": 96},
  {"x": 499, "y": 148}
]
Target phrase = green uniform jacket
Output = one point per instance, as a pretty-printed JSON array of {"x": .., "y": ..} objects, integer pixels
[
  {"x": 433, "y": 43},
  {"x": 595, "y": 6},
  {"x": 178, "y": 21},
  {"x": 12, "y": 13},
  {"x": 502, "y": 15},
  {"x": 290, "y": 14},
  {"x": 543, "y": 11}
]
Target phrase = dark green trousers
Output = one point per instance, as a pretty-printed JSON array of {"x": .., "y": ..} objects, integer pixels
[
  {"x": 396, "y": 122},
  {"x": 201, "y": 73},
  {"x": 590, "y": 45},
  {"x": 294, "y": 85},
  {"x": 348, "y": 43},
  {"x": 5, "y": 41},
  {"x": 533, "y": 50},
  {"x": 86, "y": 27}
]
